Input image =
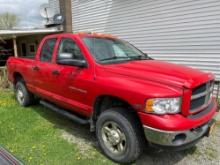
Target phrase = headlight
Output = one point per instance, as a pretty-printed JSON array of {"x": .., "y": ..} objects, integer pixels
[{"x": 163, "y": 105}]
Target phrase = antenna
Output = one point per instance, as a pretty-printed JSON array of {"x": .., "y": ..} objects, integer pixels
[{"x": 46, "y": 11}]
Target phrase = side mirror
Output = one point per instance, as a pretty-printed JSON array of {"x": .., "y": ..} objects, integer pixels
[
  {"x": 65, "y": 56},
  {"x": 68, "y": 59}
]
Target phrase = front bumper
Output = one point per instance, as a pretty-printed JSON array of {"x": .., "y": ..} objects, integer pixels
[{"x": 176, "y": 139}]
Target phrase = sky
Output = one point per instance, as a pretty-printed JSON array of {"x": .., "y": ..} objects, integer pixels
[{"x": 26, "y": 10}]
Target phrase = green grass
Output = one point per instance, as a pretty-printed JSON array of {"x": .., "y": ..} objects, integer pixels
[{"x": 34, "y": 135}]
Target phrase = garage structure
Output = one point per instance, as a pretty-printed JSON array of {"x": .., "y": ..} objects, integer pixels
[{"x": 24, "y": 42}]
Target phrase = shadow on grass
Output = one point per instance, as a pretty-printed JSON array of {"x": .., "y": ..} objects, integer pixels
[
  {"x": 150, "y": 156},
  {"x": 63, "y": 123}
]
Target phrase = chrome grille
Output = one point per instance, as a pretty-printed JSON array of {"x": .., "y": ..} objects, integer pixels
[{"x": 201, "y": 96}]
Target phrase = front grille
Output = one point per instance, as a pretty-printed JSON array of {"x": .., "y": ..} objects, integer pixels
[
  {"x": 201, "y": 113},
  {"x": 201, "y": 95},
  {"x": 199, "y": 89}
]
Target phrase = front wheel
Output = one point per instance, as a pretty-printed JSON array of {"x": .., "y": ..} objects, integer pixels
[{"x": 119, "y": 135}]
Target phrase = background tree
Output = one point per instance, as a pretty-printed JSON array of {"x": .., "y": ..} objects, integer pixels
[{"x": 8, "y": 20}]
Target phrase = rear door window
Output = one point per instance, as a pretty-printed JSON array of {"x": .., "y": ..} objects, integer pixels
[{"x": 47, "y": 50}]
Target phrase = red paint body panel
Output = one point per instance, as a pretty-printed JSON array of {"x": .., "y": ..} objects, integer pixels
[{"x": 134, "y": 82}]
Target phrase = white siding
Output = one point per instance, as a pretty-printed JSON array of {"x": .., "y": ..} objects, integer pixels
[
  {"x": 55, "y": 5},
  {"x": 185, "y": 32}
]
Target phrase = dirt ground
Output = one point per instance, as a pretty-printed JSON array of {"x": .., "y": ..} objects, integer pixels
[{"x": 206, "y": 152}]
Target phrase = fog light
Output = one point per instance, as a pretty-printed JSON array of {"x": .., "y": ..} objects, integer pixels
[{"x": 179, "y": 139}]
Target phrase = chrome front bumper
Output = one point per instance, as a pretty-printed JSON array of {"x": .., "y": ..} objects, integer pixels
[{"x": 174, "y": 138}]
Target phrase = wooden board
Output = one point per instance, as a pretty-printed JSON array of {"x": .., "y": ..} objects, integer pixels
[{"x": 6, "y": 158}]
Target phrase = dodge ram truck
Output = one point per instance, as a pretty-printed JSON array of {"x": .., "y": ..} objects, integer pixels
[{"x": 129, "y": 100}]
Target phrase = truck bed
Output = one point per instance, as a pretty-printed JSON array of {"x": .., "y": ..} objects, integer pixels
[{"x": 19, "y": 64}]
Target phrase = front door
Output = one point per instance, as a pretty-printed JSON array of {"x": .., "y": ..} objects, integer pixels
[
  {"x": 73, "y": 81},
  {"x": 42, "y": 69}
]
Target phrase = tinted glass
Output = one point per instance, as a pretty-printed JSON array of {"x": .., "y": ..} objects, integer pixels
[
  {"x": 47, "y": 50},
  {"x": 111, "y": 49},
  {"x": 67, "y": 45}
]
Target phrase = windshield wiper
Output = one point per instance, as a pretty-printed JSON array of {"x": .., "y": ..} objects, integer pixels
[
  {"x": 114, "y": 57},
  {"x": 140, "y": 57}
]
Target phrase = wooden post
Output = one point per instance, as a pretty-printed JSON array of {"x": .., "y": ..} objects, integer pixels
[
  {"x": 3, "y": 73},
  {"x": 15, "y": 47},
  {"x": 66, "y": 11}
]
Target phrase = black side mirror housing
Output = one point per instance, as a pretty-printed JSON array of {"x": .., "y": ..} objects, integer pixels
[
  {"x": 71, "y": 62},
  {"x": 68, "y": 59}
]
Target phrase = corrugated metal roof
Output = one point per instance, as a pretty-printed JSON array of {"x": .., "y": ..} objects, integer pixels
[{"x": 22, "y": 32}]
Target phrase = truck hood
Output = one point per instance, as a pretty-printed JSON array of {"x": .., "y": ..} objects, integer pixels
[{"x": 161, "y": 72}]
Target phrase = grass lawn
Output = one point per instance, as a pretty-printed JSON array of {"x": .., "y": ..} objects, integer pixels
[{"x": 35, "y": 135}]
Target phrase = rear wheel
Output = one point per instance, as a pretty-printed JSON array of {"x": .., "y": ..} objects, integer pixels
[
  {"x": 119, "y": 135},
  {"x": 23, "y": 96}
]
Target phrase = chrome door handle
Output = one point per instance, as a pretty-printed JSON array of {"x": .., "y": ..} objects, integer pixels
[{"x": 35, "y": 68}]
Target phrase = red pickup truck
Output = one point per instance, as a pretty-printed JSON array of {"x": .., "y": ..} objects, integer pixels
[{"x": 128, "y": 98}]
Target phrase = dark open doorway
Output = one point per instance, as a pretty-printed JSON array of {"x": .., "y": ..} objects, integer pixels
[
  {"x": 6, "y": 50},
  {"x": 23, "y": 49}
]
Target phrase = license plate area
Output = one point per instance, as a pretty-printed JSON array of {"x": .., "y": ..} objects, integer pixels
[{"x": 211, "y": 129}]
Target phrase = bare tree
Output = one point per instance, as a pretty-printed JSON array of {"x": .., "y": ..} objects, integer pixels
[{"x": 8, "y": 20}]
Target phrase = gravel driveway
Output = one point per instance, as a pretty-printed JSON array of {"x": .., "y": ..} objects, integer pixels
[{"x": 206, "y": 152}]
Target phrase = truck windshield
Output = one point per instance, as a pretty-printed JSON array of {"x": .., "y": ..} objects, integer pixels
[{"x": 108, "y": 50}]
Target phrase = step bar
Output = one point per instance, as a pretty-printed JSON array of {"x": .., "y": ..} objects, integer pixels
[{"x": 64, "y": 112}]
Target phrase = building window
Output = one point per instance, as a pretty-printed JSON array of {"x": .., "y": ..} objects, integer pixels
[{"x": 32, "y": 48}]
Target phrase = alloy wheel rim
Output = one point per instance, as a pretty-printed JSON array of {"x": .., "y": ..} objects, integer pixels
[
  {"x": 114, "y": 138},
  {"x": 20, "y": 96}
]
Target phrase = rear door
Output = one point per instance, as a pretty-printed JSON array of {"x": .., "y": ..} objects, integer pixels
[{"x": 43, "y": 68}]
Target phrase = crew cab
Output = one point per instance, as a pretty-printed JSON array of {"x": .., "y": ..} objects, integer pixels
[{"x": 127, "y": 98}]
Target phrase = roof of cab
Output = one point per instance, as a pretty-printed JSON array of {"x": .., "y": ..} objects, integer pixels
[
  {"x": 84, "y": 34},
  {"x": 94, "y": 34}
]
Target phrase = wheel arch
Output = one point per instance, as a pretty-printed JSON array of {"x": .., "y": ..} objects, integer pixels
[
  {"x": 16, "y": 77},
  {"x": 104, "y": 102}
]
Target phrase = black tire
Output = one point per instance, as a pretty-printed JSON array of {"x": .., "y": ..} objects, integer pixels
[
  {"x": 27, "y": 98},
  {"x": 128, "y": 124}
]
